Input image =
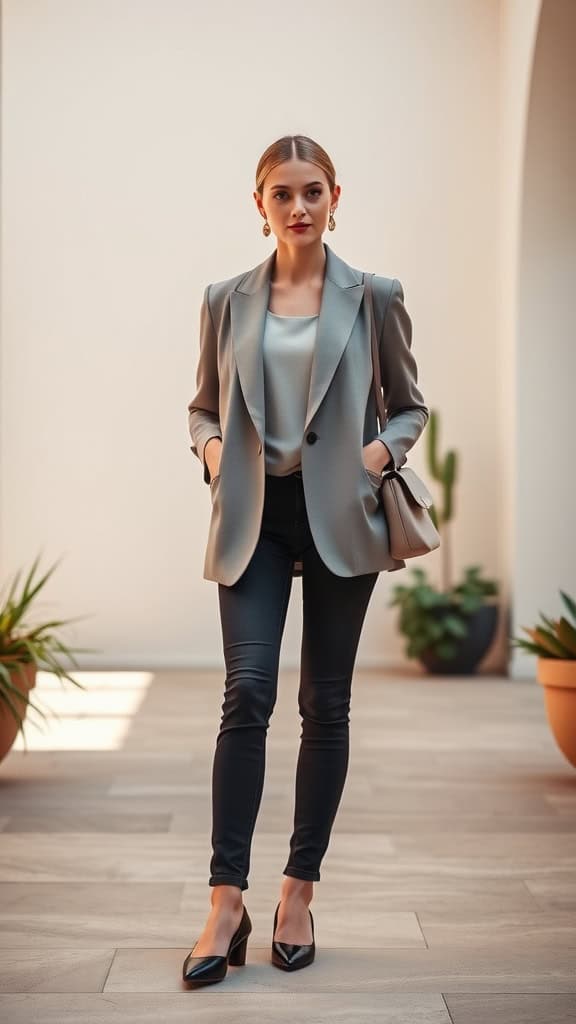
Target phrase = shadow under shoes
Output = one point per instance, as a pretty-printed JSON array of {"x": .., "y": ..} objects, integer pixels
[
  {"x": 203, "y": 970},
  {"x": 289, "y": 955}
]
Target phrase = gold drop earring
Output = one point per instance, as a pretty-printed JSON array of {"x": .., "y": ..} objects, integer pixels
[
  {"x": 266, "y": 228},
  {"x": 331, "y": 222}
]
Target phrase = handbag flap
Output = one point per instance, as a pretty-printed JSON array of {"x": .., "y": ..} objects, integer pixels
[{"x": 414, "y": 485}]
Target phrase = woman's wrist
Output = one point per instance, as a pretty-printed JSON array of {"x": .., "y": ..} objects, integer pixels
[
  {"x": 387, "y": 454},
  {"x": 378, "y": 455},
  {"x": 211, "y": 456}
]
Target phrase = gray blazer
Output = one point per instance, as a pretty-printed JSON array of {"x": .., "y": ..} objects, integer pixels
[{"x": 343, "y": 502}]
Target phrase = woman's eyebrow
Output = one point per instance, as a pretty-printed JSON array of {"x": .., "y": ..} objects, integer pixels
[{"x": 305, "y": 186}]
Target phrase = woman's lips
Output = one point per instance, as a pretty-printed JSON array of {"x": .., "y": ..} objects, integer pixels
[{"x": 299, "y": 227}]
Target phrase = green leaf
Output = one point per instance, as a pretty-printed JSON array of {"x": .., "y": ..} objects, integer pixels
[
  {"x": 567, "y": 635},
  {"x": 446, "y": 650},
  {"x": 570, "y": 604},
  {"x": 455, "y": 626},
  {"x": 550, "y": 643}
]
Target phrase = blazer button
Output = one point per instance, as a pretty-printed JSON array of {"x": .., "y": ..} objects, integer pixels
[{"x": 311, "y": 436}]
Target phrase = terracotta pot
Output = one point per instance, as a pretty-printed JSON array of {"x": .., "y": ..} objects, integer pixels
[
  {"x": 558, "y": 677},
  {"x": 8, "y": 724}
]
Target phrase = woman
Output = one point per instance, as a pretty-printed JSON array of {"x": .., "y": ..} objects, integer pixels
[{"x": 284, "y": 423}]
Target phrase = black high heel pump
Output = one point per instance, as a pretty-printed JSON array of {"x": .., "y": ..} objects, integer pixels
[
  {"x": 202, "y": 970},
  {"x": 289, "y": 955}
]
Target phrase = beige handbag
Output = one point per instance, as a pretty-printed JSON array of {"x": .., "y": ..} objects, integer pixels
[{"x": 405, "y": 497}]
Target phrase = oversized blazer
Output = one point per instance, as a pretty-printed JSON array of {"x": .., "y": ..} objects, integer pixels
[{"x": 343, "y": 500}]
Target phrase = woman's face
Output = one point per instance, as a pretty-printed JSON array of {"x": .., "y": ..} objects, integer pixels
[{"x": 295, "y": 192}]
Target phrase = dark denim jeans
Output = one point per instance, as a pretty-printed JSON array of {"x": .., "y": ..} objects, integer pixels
[{"x": 253, "y": 613}]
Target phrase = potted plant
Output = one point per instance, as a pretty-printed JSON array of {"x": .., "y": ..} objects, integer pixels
[
  {"x": 448, "y": 628},
  {"x": 554, "y": 644},
  {"x": 23, "y": 649}
]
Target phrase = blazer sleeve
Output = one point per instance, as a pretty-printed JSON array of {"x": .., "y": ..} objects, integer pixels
[
  {"x": 406, "y": 412},
  {"x": 203, "y": 409}
]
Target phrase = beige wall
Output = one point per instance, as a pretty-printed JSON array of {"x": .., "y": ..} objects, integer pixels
[
  {"x": 518, "y": 33},
  {"x": 542, "y": 551},
  {"x": 131, "y": 134}
]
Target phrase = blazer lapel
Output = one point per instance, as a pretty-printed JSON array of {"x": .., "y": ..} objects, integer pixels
[{"x": 341, "y": 297}]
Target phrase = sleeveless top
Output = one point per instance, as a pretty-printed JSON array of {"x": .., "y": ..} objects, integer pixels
[{"x": 288, "y": 347}]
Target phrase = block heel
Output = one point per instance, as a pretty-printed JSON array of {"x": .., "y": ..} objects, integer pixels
[{"x": 237, "y": 956}]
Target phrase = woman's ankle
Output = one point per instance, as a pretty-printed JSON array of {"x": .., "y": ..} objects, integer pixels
[
  {"x": 226, "y": 897},
  {"x": 297, "y": 889}
]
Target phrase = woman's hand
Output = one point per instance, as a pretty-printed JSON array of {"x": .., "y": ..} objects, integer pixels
[
  {"x": 376, "y": 456},
  {"x": 213, "y": 454}
]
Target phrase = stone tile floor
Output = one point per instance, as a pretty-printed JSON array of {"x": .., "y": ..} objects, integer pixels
[{"x": 448, "y": 891}]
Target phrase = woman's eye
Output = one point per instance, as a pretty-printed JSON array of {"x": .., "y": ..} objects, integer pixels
[{"x": 313, "y": 191}]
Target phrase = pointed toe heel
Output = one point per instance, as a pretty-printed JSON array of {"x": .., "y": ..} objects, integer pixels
[
  {"x": 205, "y": 970},
  {"x": 291, "y": 956}
]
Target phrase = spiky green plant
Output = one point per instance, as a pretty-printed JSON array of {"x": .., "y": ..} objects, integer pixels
[
  {"x": 444, "y": 471},
  {"x": 22, "y": 644},
  {"x": 557, "y": 639}
]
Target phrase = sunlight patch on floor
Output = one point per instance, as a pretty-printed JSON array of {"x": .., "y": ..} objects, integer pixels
[{"x": 95, "y": 718}]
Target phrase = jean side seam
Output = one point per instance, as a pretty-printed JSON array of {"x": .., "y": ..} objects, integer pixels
[{"x": 261, "y": 783}]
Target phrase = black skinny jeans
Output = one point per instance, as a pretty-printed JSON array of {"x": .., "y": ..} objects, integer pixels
[{"x": 253, "y": 613}]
